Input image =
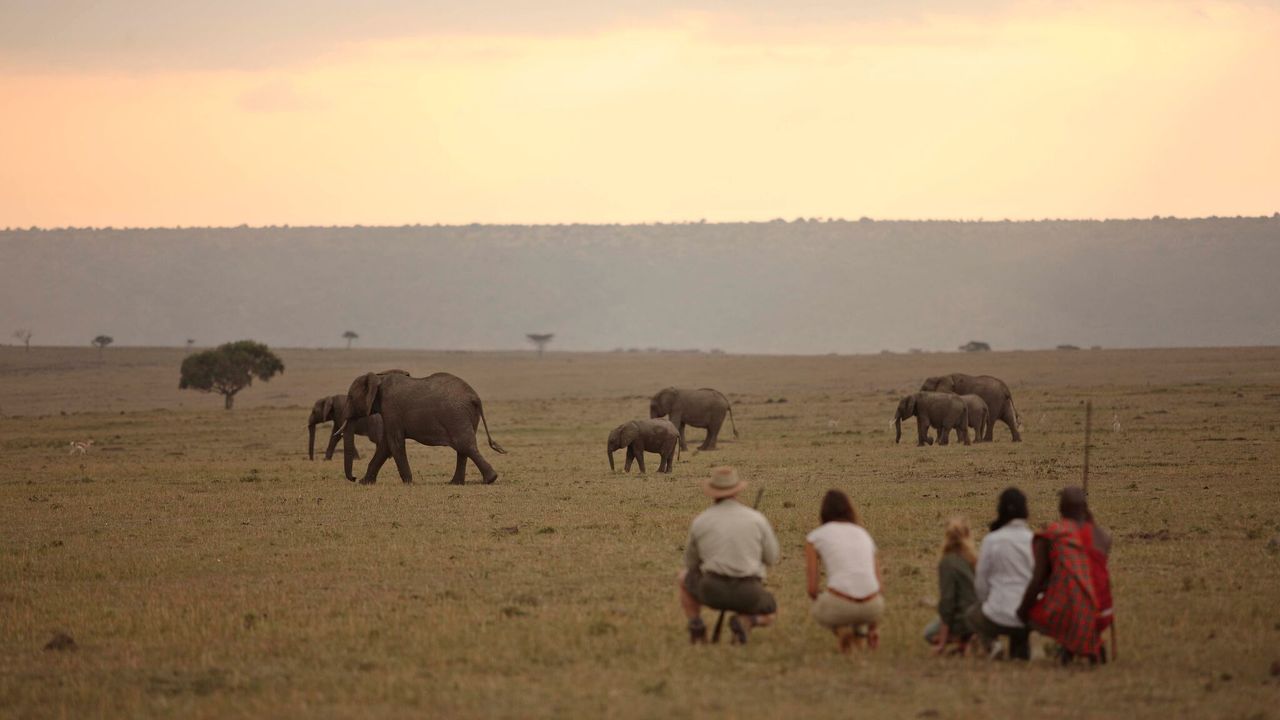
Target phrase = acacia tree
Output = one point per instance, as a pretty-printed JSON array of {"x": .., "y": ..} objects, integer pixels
[
  {"x": 25, "y": 336},
  {"x": 540, "y": 340},
  {"x": 229, "y": 368},
  {"x": 101, "y": 342},
  {"x": 349, "y": 336}
]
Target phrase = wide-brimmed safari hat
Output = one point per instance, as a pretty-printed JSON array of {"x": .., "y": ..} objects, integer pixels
[{"x": 723, "y": 483}]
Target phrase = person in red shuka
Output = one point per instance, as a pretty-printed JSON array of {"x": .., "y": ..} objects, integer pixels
[{"x": 1069, "y": 596}]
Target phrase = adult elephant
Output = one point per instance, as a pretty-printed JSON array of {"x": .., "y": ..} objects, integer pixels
[
  {"x": 993, "y": 392},
  {"x": 334, "y": 409},
  {"x": 943, "y": 412},
  {"x": 439, "y": 410},
  {"x": 641, "y": 436},
  {"x": 701, "y": 408}
]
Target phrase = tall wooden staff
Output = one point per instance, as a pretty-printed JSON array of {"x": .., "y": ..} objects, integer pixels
[
  {"x": 1088, "y": 431},
  {"x": 1088, "y": 428}
]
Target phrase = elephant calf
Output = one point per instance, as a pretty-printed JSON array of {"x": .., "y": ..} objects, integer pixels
[
  {"x": 334, "y": 409},
  {"x": 641, "y": 436},
  {"x": 942, "y": 411},
  {"x": 979, "y": 416}
]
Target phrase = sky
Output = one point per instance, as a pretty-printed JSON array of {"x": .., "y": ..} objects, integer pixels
[{"x": 318, "y": 112}]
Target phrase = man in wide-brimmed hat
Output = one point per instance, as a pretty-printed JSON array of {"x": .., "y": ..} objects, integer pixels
[{"x": 725, "y": 557}]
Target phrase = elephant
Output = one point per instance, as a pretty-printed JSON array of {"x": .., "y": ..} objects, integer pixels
[
  {"x": 334, "y": 409},
  {"x": 942, "y": 411},
  {"x": 992, "y": 390},
  {"x": 978, "y": 415},
  {"x": 702, "y": 408},
  {"x": 641, "y": 436},
  {"x": 439, "y": 410}
]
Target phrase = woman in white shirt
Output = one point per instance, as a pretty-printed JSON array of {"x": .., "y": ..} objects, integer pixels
[
  {"x": 1005, "y": 563},
  {"x": 851, "y": 605}
]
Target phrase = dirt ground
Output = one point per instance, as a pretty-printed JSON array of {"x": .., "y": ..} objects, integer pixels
[{"x": 205, "y": 568}]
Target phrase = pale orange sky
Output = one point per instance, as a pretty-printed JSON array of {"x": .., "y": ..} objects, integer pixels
[{"x": 1018, "y": 110}]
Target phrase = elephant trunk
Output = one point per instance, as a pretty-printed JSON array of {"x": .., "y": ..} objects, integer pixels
[
  {"x": 611, "y": 466},
  {"x": 311, "y": 441},
  {"x": 897, "y": 428}
]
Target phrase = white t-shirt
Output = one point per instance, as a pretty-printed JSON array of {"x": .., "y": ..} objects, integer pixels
[{"x": 848, "y": 556}]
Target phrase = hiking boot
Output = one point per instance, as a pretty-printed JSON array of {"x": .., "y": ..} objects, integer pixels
[
  {"x": 739, "y": 629},
  {"x": 697, "y": 632}
]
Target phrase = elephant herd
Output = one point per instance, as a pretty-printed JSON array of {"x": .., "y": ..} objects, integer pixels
[
  {"x": 391, "y": 407},
  {"x": 958, "y": 402}
]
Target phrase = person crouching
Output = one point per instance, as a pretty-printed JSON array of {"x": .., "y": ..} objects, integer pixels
[
  {"x": 725, "y": 557},
  {"x": 852, "y": 605}
]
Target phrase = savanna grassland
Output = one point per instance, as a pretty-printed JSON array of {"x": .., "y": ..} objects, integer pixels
[{"x": 206, "y": 568}]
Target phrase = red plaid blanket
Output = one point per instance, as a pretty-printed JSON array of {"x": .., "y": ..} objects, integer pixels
[{"x": 1068, "y": 611}]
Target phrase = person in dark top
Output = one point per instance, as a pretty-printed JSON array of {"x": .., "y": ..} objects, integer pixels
[{"x": 956, "y": 594}]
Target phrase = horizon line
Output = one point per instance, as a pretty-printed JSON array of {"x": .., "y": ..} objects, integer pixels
[{"x": 702, "y": 221}]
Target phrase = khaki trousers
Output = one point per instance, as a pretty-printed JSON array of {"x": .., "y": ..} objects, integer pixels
[{"x": 834, "y": 612}]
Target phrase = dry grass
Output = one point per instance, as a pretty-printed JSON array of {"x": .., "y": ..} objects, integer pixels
[{"x": 205, "y": 568}]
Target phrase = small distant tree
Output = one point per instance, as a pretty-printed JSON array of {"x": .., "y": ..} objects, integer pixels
[
  {"x": 25, "y": 336},
  {"x": 975, "y": 346},
  {"x": 349, "y": 336},
  {"x": 229, "y": 368},
  {"x": 101, "y": 342},
  {"x": 540, "y": 340}
]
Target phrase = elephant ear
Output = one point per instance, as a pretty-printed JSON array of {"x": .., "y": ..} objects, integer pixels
[
  {"x": 326, "y": 413},
  {"x": 362, "y": 395},
  {"x": 372, "y": 384},
  {"x": 615, "y": 438},
  {"x": 911, "y": 406},
  {"x": 629, "y": 433}
]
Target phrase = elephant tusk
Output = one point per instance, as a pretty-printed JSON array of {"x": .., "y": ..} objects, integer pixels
[{"x": 338, "y": 432}]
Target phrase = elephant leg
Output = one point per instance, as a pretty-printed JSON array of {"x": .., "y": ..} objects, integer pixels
[
  {"x": 713, "y": 433},
  {"x": 922, "y": 430},
  {"x": 333, "y": 445},
  {"x": 487, "y": 473},
  {"x": 375, "y": 464},
  {"x": 638, "y": 451},
  {"x": 1008, "y": 417},
  {"x": 680, "y": 427},
  {"x": 631, "y": 455},
  {"x": 944, "y": 435},
  {"x": 401, "y": 455},
  {"x": 460, "y": 470},
  {"x": 963, "y": 431},
  {"x": 990, "y": 427}
]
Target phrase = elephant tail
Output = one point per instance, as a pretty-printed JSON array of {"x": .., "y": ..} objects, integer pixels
[
  {"x": 729, "y": 405},
  {"x": 496, "y": 447},
  {"x": 1017, "y": 419}
]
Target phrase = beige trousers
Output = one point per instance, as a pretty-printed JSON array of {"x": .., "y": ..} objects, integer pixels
[{"x": 833, "y": 612}]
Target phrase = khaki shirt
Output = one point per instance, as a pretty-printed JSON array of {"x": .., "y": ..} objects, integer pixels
[{"x": 731, "y": 539}]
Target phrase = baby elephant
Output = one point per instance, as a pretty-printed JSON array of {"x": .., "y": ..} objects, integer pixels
[
  {"x": 942, "y": 411},
  {"x": 641, "y": 436},
  {"x": 978, "y": 415}
]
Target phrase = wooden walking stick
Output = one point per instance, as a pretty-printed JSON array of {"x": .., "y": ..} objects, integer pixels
[
  {"x": 1088, "y": 429},
  {"x": 715, "y": 634}
]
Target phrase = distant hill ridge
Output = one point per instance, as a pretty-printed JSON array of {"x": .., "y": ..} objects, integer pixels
[{"x": 785, "y": 287}]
